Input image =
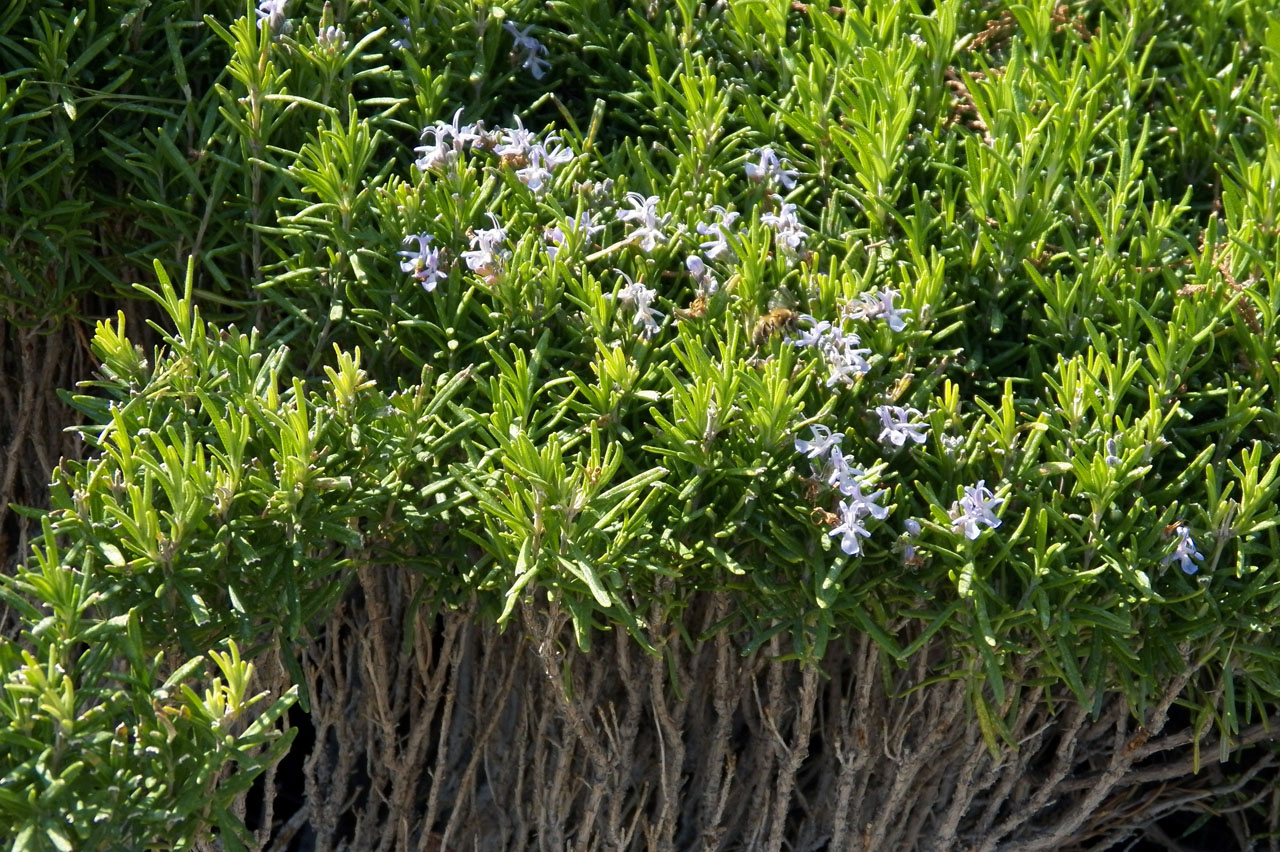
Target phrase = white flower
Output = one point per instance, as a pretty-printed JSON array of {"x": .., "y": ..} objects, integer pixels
[
  {"x": 486, "y": 257},
  {"x": 897, "y": 430},
  {"x": 814, "y": 335},
  {"x": 823, "y": 440},
  {"x": 450, "y": 140},
  {"x": 976, "y": 507},
  {"x": 866, "y": 503},
  {"x": 516, "y": 143},
  {"x": 640, "y": 298},
  {"x": 770, "y": 167},
  {"x": 844, "y": 358},
  {"x": 880, "y": 304},
  {"x": 648, "y": 232},
  {"x": 435, "y": 154},
  {"x": 556, "y": 235},
  {"x": 789, "y": 232},
  {"x": 541, "y": 163},
  {"x": 718, "y": 246},
  {"x": 841, "y": 475}
]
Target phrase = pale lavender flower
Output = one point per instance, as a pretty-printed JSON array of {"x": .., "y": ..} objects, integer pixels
[
  {"x": 517, "y": 142},
  {"x": 271, "y": 13},
  {"x": 437, "y": 154},
  {"x": 976, "y": 507},
  {"x": 451, "y": 138},
  {"x": 640, "y": 298},
  {"x": 841, "y": 475},
  {"x": 814, "y": 334},
  {"x": 770, "y": 166},
  {"x": 530, "y": 50},
  {"x": 718, "y": 246},
  {"x": 463, "y": 134},
  {"x": 844, "y": 358},
  {"x": 913, "y": 532},
  {"x": 897, "y": 430},
  {"x": 487, "y": 253},
  {"x": 555, "y": 238},
  {"x": 789, "y": 232},
  {"x": 555, "y": 154},
  {"x": 423, "y": 264},
  {"x": 823, "y": 441},
  {"x": 542, "y": 161},
  {"x": 708, "y": 284},
  {"x": 536, "y": 174},
  {"x": 866, "y": 503},
  {"x": 648, "y": 232},
  {"x": 556, "y": 235},
  {"x": 880, "y": 304},
  {"x": 1185, "y": 552},
  {"x": 850, "y": 528},
  {"x": 585, "y": 225}
]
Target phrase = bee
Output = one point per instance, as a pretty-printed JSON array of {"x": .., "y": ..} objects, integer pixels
[{"x": 778, "y": 320}]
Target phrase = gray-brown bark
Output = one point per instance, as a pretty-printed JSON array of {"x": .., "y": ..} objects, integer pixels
[{"x": 434, "y": 733}]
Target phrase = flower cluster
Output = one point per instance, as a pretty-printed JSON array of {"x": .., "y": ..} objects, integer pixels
[
  {"x": 542, "y": 160},
  {"x": 423, "y": 264},
  {"x": 833, "y": 468},
  {"x": 331, "y": 39},
  {"x": 789, "y": 232},
  {"x": 451, "y": 138},
  {"x": 517, "y": 148},
  {"x": 842, "y": 350},
  {"x": 534, "y": 160}
]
